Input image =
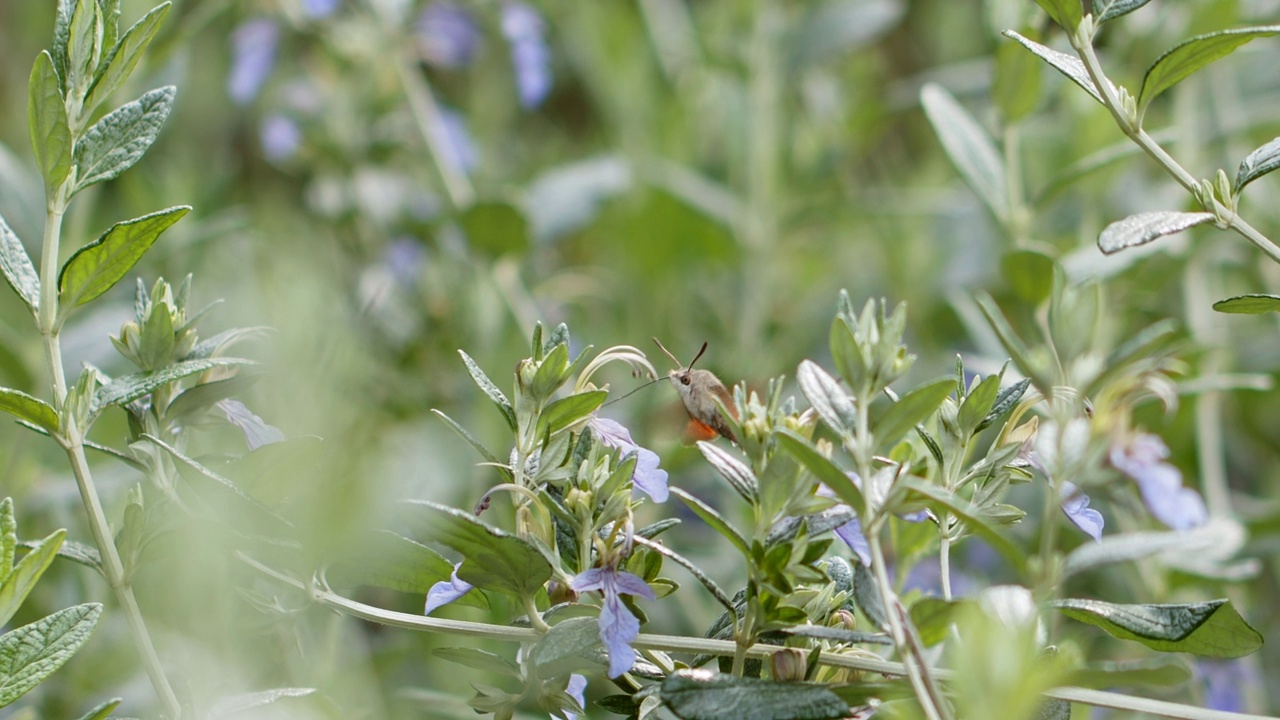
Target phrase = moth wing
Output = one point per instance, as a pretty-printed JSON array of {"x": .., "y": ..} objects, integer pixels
[{"x": 696, "y": 431}]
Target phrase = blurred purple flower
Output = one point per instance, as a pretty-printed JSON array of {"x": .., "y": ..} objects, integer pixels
[
  {"x": 1075, "y": 505},
  {"x": 256, "y": 432},
  {"x": 447, "y": 35},
  {"x": 280, "y": 137},
  {"x": 1159, "y": 483},
  {"x": 647, "y": 477},
  {"x": 317, "y": 9},
  {"x": 404, "y": 258},
  {"x": 618, "y": 627},
  {"x": 530, "y": 57},
  {"x": 253, "y": 55},
  {"x": 459, "y": 138},
  {"x": 1225, "y": 682},
  {"x": 851, "y": 532},
  {"x": 577, "y": 690},
  {"x": 446, "y": 591}
]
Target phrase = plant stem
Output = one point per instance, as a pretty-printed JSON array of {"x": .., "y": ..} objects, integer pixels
[
  {"x": 431, "y": 123},
  {"x": 71, "y": 437}
]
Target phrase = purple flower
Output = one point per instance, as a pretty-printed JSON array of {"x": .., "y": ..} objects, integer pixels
[
  {"x": 851, "y": 534},
  {"x": 523, "y": 28},
  {"x": 1225, "y": 682},
  {"x": 1075, "y": 505},
  {"x": 253, "y": 55},
  {"x": 446, "y": 591},
  {"x": 458, "y": 138},
  {"x": 317, "y": 9},
  {"x": 618, "y": 627},
  {"x": 280, "y": 137},
  {"x": 648, "y": 477},
  {"x": 577, "y": 690},
  {"x": 447, "y": 35},
  {"x": 403, "y": 259},
  {"x": 256, "y": 432},
  {"x": 1159, "y": 483}
]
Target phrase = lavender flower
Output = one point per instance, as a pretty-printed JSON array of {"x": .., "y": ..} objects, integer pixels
[
  {"x": 318, "y": 9},
  {"x": 1225, "y": 682},
  {"x": 1159, "y": 483},
  {"x": 577, "y": 690},
  {"x": 280, "y": 137},
  {"x": 447, "y": 35},
  {"x": 253, "y": 55},
  {"x": 1075, "y": 505},
  {"x": 459, "y": 138},
  {"x": 618, "y": 627},
  {"x": 531, "y": 59},
  {"x": 851, "y": 532},
  {"x": 446, "y": 591},
  {"x": 648, "y": 477},
  {"x": 256, "y": 432}
]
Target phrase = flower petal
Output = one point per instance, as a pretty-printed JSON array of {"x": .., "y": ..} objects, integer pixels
[
  {"x": 648, "y": 477},
  {"x": 1075, "y": 505},
  {"x": 618, "y": 627},
  {"x": 624, "y": 583},
  {"x": 446, "y": 591},
  {"x": 851, "y": 534},
  {"x": 253, "y": 51},
  {"x": 577, "y": 689},
  {"x": 593, "y": 579}
]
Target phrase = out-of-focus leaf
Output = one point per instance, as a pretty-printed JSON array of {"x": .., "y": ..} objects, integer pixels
[
  {"x": 1127, "y": 547},
  {"x": 1257, "y": 163},
  {"x": 1144, "y": 227},
  {"x": 236, "y": 704},
  {"x": 18, "y": 270},
  {"x": 969, "y": 146},
  {"x": 1068, "y": 65},
  {"x": 1016, "y": 88},
  {"x": 933, "y": 617},
  {"x": 33, "y": 652},
  {"x": 1190, "y": 55},
  {"x": 1067, "y": 13},
  {"x": 120, "y": 139},
  {"x": 568, "y": 197},
  {"x": 103, "y": 711},
  {"x": 96, "y": 267},
  {"x": 1251, "y": 304},
  {"x": 1104, "y": 10},
  {"x": 495, "y": 228},
  {"x": 1029, "y": 273},
  {"x": 836, "y": 27},
  {"x": 1163, "y": 671},
  {"x": 571, "y": 646},
  {"x": 1210, "y": 629},
  {"x": 480, "y": 660}
]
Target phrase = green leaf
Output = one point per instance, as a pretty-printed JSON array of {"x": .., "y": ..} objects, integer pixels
[
  {"x": 975, "y": 408},
  {"x": 124, "y": 390},
  {"x": 102, "y": 711},
  {"x": 1029, "y": 273},
  {"x": 33, "y": 410},
  {"x": 96, "y": 267},
  {"x": 391, "y": 561},
  {"x": 1163, "y": 671},
  {"x": 1068, "y": 65},
  {"x": 16, "y": 265},
  {"x": 1016, "y": 88},
  {"x": 8, "y": 538},
  {"x": 123, "y": 57},
  {"x": 1250, "y": 304},
  {"x": 118, "y": 140},
  {"x": 1067, "y": 13},
  {"x": 933, "y": 617},
  {"x": 473, "y": 442},
  {"x": 835, "y": 28},
  {"x": 1005, "y": 401},
  {"x": 913, "y": 408},
  {"x": 715, "y": 520},
  {"x": 969, "y": 146},
  {"x": 61, "y": 35},
  {"x": 1257, "y": 163},
  {"x": 1131, "y": 546},
  {"x": 550, "y": 372},
  {"x": 740, "y": 477},
  {"x": 190, "y": 403},
  {"x": 839, "y": 634},
  {"x": 1144, "y": 227},
  {"x": 833, "y": 404},
  {"x": 822, "y": 468},
  {"x": 76, "y": 552},
  {"x": 84, "y": 44},
  {"x": 33, "y": 652},
  {"x": 568, "y": 411},
  {"x": 486, "y": 385},
  {"x": 26, "y": 573},
  {"x": 47, "y": 119},
  {"x": 1104, "y": 10},
  {"x": 1191, "y": 55},
  {"x": 866, "y": 593},
  {"x": 699, "y": 695},
  {"x": 570, "y": 646},
  {"x": 1209, "y": 629},
  {"x": 236, "y": 704},
  {"x": 495, "y": 228},
  {"x": 495, "y": 560},
  {"x": 479, "y": 660},
  {"x": 971, "y": 516}
]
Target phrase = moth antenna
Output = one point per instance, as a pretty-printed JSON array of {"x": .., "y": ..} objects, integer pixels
[
  {"x": 667, "y": 353},
  {"x": 695, "y": 357},
  {"x": 633, "y": 392}
]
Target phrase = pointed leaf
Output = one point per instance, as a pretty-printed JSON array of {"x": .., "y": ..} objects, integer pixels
[
  {"x": 1016, "y": 87},
  {"x": 118, "y": 140},
  {"x": 94, "y": 268},
  {"x": 822, "y": 468},
  {"x": 1257, "y": 163},
  {"x": 249, "y": 501},
  {"x": 123, "y": 57},
  {"x": 489, "y": 457},
  {"x": 1067, "y": 13},
  {"x": 495, "y": 560},
  {"x": 834, "y": 405},
  {"x": 974, "y": 409},
  {"x": 76, "y": 552},
  {"x": 1005, "y": 401},
  {"x": 1068, "y": 65},
  {"x": 47, "y": 119},
  {"x": 398, "y": 563},
  {"x": 1131, "y": 546},
  {"x": 236, "y": 704},
  {"x": 1160, "y": 671},
  {"x": 124, "y": 390},
  {"x": 701, "y": 695},
  {"x": 715, "y": 520},
  {"x": 1210, "y": 629},
  {"x": 26, "y": 573},
  {"x": 8, "y": 538},
  {"x": 732, "y": 469},
  {"x": 16, "y": 265},
  {"x": 913, "y": 408},
  {"x": 570, "y": 410},
  {"x": 103, "y": 711},
  {"x": 969, "y": 146},
  {"x": 33, "y": 652},
  {"x": 933, "y": 616},
  {"x": 1251, "y": 304},
  {"x": 25, "y": 407},
  {"x": 490, "y": 389},
  {"x": 1144, "y": 227},
  {"x": 1104, "y": 10},
  {"x": 1191, "y": 55},
  {"x": 479, "y": 660},
  {"x": 571, "y": 646}
]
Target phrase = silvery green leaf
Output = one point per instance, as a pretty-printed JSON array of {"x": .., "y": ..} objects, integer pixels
[
  {"x": 126, "y": 389},
  {"x": 33, "y": 652},
  {"x": 118, "y": 140},
  {"x": 740, "y": 477},
  {"x": 1144, "y": 227},
  {"x": 1104, "y": 10},
  {"x": 969, "y": 146},
  {"x": 833, "y": 28},
  {"x": 8, "y": 538},
  {"x": 1131, "y": 546},
  {"x": 490, "y": 389},
  {"x": 18, "y": 269},
  {"x": 1210, "y": 629},
  {"x": 699, "y": 695},
  {"x": 1190, "y": 55},
  {"x": 833, "y": 404},
  {"x": 1068, "y": 65},
  {"x": 1257, "y": 163},
  {"x": 236, "y": 704},
  {"x": 123, "y": 57}
]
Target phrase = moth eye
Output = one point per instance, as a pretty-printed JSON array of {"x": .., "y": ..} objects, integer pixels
[{"x": 684, "y": 379}]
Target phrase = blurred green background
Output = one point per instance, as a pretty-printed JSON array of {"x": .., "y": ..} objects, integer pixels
[{"x": 368, "y": 181}]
